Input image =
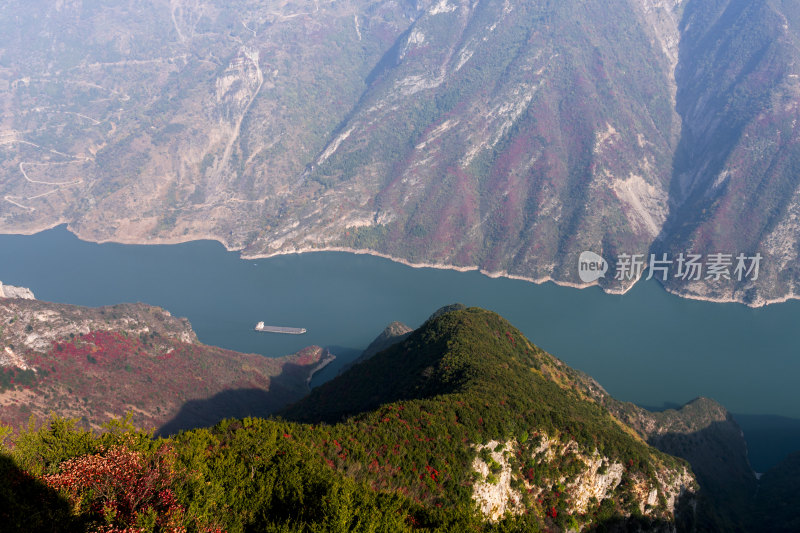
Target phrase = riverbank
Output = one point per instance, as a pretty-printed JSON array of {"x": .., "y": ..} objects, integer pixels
[
  {"x": 756, "y": 303},
  {"x": 327, "y": 359}
]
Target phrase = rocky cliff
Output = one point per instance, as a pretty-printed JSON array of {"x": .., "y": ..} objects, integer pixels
[{"x": 9, "y": 291}]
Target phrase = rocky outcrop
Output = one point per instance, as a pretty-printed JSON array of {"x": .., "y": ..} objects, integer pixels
[
  {"x": 394, "y": 333},
  {"x": 9, "y": 291},
  {"x": 499, "y": 487},
  {"x": 492, "y": 490},
  {"x": 35, "y": 325},
  {"x": 706, "y": 435}
]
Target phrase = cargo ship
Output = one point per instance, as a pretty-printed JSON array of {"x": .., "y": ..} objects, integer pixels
[{"x": 279, "y": 329}]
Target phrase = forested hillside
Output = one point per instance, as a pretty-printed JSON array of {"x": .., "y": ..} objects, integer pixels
[{"x": 463, "y": 426}]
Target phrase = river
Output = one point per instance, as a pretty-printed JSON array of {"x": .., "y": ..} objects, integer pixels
[{"x": 646, "y": 346}]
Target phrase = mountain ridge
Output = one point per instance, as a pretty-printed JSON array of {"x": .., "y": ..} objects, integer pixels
[
  {"x": 702, "y": 431},
  {"x": 441, "y": 364}
]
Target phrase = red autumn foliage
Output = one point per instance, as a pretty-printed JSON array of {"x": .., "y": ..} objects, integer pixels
[
  {"x": 511, "y": 338},
  {"x": 432, "y": 471},
  {"x": 120, "y": 486}
]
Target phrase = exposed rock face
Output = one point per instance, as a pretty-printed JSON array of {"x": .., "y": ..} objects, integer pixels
[
  {"x": 591, "y": 483},
  {"x": 596, "y": 479},
  {"x": 705, "y": 434},
  {"x": 9, "y": 291},
  {"x": 35, "y": 326},
  {"x": 492, "y": 491}
]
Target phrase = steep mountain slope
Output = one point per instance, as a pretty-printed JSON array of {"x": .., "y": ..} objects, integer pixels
[
  {"x": 736, "y": 186},
  {"x": 778, "y": 498},
  {"x": 499, "y": 134},
  {"x": 394, "y": 333},
  {"x": 96, "y": 364},
  {"x": 468, "y": 382},
  {"x": 702, "y": 432},
  {"x": 705, "y": 434},
  {"x": 175, "y": 119},
  {"x": 530, "y": 132}
]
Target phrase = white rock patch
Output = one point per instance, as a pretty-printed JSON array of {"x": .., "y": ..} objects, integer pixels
[
  {"x": 442, "y": 7},
  {"x": 646, "y": 202},
  {"x": 495, "y": 499},
  {"x": 591, "y": 484}
]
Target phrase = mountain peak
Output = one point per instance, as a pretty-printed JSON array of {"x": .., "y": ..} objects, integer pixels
[{"x": 474, "y": 370}]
